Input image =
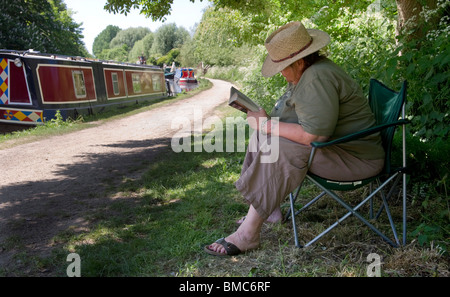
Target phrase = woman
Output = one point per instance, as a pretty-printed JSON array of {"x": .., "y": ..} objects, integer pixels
[{"x": 321, "y": 103}]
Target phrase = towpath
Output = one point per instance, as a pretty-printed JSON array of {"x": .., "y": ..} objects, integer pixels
[{"x": 52, "y": 185}]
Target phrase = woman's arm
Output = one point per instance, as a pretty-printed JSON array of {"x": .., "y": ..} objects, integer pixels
[{"x": 291, "y": 131}]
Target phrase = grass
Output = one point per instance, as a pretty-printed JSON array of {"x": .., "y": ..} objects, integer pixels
[
  {"x": 158, "y": 223},
  {"x": 186, "y": 200}
]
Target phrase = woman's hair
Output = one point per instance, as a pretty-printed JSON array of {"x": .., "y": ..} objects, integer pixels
[{"x": 313, "y": 58}]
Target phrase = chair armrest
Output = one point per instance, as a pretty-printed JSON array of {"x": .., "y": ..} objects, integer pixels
[{"x": 359, "y": 134}]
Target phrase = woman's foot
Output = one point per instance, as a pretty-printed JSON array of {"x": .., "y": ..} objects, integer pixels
[
  {"x": 237, "y": 240},
  {"x": 246, "y": 237}
]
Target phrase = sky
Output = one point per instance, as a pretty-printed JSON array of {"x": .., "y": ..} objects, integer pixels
[{"x": 95, "y": 19}]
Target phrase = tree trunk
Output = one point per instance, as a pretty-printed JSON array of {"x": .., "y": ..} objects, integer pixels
[{"x": 410, "y": 22}]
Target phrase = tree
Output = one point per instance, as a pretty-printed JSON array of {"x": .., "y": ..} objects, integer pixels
[
  {"x": 119, "y": 54},
  {"x": 410, "y": 19},
  {"x": 43, "y": 25},
  {"x": 364, "y": 41},
  {"x": 103, "y": 39},
  {"x": 129, "y": 37},
  {"x": 167, "y": 37},
  {"x": 220, "y": 37},
  {"x": 157, "y": 10},
  {"x": 169, "y": 58},
  {"x": 187, "y": 54}
]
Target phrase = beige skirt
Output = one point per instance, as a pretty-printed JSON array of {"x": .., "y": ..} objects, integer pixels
[{"x": 266, "y": 181}]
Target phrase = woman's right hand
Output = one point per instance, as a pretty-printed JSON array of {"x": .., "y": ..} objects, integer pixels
[{"x": 255, "y": 119}]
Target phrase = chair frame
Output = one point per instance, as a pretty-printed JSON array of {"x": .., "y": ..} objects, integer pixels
[{"x": 351, "y": 185}]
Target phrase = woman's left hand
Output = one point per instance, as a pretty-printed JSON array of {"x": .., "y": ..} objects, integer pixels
[{"x": 255, "y": 119}]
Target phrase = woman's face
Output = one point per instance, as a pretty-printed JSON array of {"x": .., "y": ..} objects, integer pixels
[{"x": 293, "y": 72}]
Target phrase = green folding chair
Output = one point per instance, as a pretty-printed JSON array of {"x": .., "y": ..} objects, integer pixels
[{"x": 387, "y": 105}]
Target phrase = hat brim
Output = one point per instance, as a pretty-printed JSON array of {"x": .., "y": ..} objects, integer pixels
[{"x": 320, "y": 40}]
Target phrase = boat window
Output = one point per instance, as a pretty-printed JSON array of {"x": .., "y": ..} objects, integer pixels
[
  {"x": 115, "y": 82},
  {"x": 156, "y": 81},
  {"x": 78, "y": 83},
  {"x": 136, "y": 82}
]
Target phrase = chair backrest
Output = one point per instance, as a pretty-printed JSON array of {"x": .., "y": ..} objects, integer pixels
[{"x": 386, "y": 104}]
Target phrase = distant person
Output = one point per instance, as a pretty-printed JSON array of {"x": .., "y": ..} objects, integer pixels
[{"x": 142, "y": 59}]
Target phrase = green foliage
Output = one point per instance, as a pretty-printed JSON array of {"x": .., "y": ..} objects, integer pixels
[
  {"x": 169, "y": 58},
  {"x": 218, "y": 38},
  {"x": 425, "y": 63},
  {"x": 42, "y": 25},
  {"x": 119, "y": 54},
  {"x": 168, "y": 37},
  {"x": 156, "y": 10},
  {"x": 141, "y": 47},
  {"x": 127, "y": 45},
  {"x": 129, "y": 37},
  {"x": 187, "y": 54},
  {"x": 365, "y": 43},
  {"x": 103, "y": 39},
  {"x": 230, "y": 38}
]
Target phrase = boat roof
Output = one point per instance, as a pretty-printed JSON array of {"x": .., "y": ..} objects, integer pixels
[{"x": 36, "y": 54}]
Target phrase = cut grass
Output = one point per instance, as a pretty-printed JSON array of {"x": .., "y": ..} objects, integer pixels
[
  {"x": 158, "y": 223},
  {"x": 187, "y": 200}
]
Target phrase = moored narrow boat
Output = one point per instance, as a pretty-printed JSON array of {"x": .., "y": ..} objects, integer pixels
[{"x": 34, "y": 86}]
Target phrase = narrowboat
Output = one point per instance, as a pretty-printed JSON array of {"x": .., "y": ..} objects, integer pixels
[
  {"x": 34, "y": 86},
  {"x": 187, "y": 76}
]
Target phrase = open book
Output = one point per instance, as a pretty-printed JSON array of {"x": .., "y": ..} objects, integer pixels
[{"x": 241, "y": 102}]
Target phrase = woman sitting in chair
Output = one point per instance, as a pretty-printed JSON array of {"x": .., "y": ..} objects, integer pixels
[{"x": 321, "y": 103}]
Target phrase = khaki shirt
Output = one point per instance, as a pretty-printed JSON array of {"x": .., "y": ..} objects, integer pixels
[{"x": 328, "y": 102}]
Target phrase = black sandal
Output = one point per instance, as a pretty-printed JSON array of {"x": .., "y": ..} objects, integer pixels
[{"x": 230, "y": 248}]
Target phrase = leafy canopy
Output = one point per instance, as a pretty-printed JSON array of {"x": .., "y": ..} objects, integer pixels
[
  {"x": 157, "y": 10},
  {"x": 42, "y": 25}
]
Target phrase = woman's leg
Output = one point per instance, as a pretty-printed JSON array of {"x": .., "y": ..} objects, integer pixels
[{"x": 265, "y": 185}]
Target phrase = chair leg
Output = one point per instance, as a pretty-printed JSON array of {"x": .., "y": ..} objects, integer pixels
[
  {"x": 294, "y": 225},
  {"x": 310, "y": 202},
  {"x": 391, "y": 222},
  {"x": 293, "y": 213},
  {"x": 353, "y": 210},
  {"x": 404, "y": 209},
  {"x": 294, "y": 197},
  {"x": 404, "y": 166},
  {"x": 371, "y": 202},
  {"x": 391, "y": 191},
  {"x": 385, "y": 206}
]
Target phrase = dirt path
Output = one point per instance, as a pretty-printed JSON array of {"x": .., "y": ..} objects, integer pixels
[{"x": 50, "y": 185}]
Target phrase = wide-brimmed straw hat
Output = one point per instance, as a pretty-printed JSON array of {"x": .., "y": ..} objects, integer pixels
[{"x": 290, "y": 43}]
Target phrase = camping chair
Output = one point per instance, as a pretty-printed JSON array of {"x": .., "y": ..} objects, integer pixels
[{"x": 386, "y": 104}]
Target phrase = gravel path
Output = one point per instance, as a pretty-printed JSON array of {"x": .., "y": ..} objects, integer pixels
[{"x": 50, "y": 185}]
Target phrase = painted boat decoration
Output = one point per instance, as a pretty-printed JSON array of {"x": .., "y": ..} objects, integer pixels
[
  {"x": 34, "y": 86},
  {"x": 187, "y": 76}
]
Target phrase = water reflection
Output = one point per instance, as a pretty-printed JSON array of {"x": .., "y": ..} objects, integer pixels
[{"x": 175, "y": 86}]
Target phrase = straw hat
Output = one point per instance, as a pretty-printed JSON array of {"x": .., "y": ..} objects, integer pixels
[{"x": 290, "y": 43}]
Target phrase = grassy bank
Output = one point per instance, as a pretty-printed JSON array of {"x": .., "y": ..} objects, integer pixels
[
  {"x": 159, "y": 223},
  {"x": 159, "y": 220}
]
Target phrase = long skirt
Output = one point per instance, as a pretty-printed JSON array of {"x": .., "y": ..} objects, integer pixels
[{"x": 275, "y": 166}]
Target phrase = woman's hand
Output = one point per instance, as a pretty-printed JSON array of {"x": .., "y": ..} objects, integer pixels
[{"x": 255, "y": 118}]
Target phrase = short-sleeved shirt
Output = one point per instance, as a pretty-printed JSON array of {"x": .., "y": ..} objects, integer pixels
[{"x": 328, "y": 102}]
